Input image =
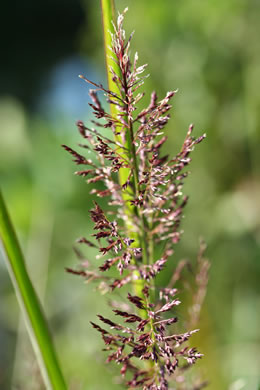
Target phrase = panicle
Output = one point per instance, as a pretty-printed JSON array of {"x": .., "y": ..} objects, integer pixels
[{"x": 144, "y": 210}]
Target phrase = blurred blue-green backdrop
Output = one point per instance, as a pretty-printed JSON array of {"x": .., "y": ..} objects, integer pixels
[{"x": 207, "y": 49}]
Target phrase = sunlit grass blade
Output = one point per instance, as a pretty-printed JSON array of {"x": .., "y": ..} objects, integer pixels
[
  {"x": 108, "y": 18},
  {"x": 35, "y": 321}
]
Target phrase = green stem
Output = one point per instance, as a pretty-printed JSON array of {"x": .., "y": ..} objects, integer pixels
[
  {"x": 35, "y": 321},
  {"x": 108, "y": 11},
  {"x": 108, "y": 15},
  {"x": 145, "y": 253}
]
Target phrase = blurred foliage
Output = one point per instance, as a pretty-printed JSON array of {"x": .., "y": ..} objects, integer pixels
[{"x": 209, "y": 51}]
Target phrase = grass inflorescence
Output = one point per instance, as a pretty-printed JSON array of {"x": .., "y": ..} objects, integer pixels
[{"x": 142, "y": 189}]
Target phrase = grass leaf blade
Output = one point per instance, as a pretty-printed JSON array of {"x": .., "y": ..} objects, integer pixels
[{"x": 35, "y": 321}]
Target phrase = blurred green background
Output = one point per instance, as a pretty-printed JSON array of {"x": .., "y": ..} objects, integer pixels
[{"x": 207, "y": 49}]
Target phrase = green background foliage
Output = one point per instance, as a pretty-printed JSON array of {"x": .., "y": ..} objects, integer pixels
[{"x": 209, "y": 51}]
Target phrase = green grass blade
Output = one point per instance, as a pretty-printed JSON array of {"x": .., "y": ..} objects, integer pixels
[
  {"x": 35, "y": 321},
  {"x": 108, "y": 18}
]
